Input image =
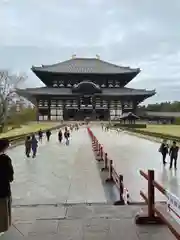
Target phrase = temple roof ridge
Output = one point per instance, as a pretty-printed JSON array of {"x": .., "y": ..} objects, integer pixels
[{"x": 86, "y": 65}]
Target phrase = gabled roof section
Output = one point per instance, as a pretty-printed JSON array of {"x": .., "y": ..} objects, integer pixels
[{"x": 85, "y": 65}]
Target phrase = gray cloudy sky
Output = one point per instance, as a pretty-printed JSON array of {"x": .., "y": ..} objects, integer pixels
[{"x": 136, "y": 33}]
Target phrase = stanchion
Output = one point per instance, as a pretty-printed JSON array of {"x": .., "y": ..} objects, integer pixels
[
  {"x": 105, "y": 168},
  {"x": 110, "y": 177},
  {"x": 121, "y": 192},
  {"x": 99, "y": 156}
]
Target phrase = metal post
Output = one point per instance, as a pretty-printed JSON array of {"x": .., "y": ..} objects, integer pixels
[
  {"x": 99, "y": 150},
  {"x": 151, "y": 194},
  {"x": 121, "y": 188},
  {"x": 101, "y": 153},
  {"x": 110, "y": 178},
  {"x": 105, "y": 163}
]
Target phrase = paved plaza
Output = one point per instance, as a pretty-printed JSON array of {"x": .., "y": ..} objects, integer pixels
[
  {"x": 59, "y": 173},
  {"x": 130, "y": 154},
  {"x": 61, "y": 194}
]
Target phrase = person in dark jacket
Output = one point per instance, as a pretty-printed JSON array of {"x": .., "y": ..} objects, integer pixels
[
  {"x": 164, "y": 150},
  {"x": 67, "y": 136},
  {"x": 48, "y": 134},
  {"x": 60, "y": 135},
  {"x": 28, "y": 146},
  {"x": 34, "y": 145},
  {"x": 40, "y": 133},
  {"x": 6, "y": 177},
  {"x": 173, "y": 153}
]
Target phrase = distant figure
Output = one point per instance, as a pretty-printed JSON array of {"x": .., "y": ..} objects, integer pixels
[
  {"x": 48, "y": 134},
  {"x": 6, "y": 177},
  {"x": 40, "y": 133},
  {"x": 67, "y": 136},
  {"x": 76, "y": 126},
  {"x": 164, "y": 150},
  {"x": 28, "y": 146},
  {"x": 173, "y": 153},
  {"x": 60, "y": 135},
  {"x": 34, "y": 145}
]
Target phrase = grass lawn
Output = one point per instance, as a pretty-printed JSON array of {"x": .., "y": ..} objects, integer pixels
[
  {"x": 31, "y": 127},
  {"x": 166, "y": 129}
]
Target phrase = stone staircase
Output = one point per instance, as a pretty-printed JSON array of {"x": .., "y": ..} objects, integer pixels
[{"x": 81, "y": 222}]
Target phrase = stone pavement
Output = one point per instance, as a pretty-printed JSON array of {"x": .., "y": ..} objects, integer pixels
[
  {"x": 82, "y": 222},
  {"x": 59, "y": 195},
  {"x": 59, "y": 173},
  {"x": 130, "y": 154}
]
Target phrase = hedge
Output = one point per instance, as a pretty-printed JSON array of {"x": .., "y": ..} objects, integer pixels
[
  {"x": 156, "y": 135},
  {"x": 121, "y": 125}
]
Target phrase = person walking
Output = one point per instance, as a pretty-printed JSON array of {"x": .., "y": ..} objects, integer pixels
[
  {"x": 40, "y": 133},
  {"x": 164, "y": 150},
  {"x": 48, "y": 134},
  {"x": 67, "y": 136},
  {"x": 34, "y": 145},
  {"x": 28, "y": 146},
  {"x": 60, "y": 135},
  {"x": 173, "y": 153},
  {"x": 6, "y": 177}
]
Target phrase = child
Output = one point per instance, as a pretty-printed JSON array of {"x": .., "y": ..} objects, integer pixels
[
  {"x": 28, "y": 146},
  {"x": 6, "y": 177}
]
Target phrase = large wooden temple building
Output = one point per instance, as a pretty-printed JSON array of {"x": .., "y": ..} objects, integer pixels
[{"x": 84, "y": 87}]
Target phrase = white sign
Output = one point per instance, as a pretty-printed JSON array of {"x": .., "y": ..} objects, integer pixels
[{"x": 173, "y": 205}]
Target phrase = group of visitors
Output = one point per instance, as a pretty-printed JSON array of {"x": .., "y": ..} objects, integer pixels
[
  {"x": 7, "y": 172},
  {"x": 172, "y": 151},
  {"x": 66, "y": 135}
]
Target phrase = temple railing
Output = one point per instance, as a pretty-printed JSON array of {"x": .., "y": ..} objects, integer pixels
[
  {"x": 159, "y": 213},
  {"x": 113, "y": 176}
]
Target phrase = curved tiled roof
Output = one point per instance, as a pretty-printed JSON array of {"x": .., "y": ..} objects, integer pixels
[
  {"x": 87, "y": 86},
  {"x": 85, "y": 65},
  {"x": 68, "y": 91}
]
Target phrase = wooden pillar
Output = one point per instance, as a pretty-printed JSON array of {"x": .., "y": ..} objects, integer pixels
[
  {"x": 37, "y": 110},
  {"x": 49, "y": 109}
]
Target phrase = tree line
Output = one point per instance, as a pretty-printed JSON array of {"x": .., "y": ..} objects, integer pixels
[
  {"x": 162, "y": 107},
  {"x": 9, "y": 116}
]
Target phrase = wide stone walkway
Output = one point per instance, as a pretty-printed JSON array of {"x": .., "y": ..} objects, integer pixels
[
  {"x": 59, "y": 173},
  {"x": 130, "y": 154},
  {"x": 60, "y": 195}
]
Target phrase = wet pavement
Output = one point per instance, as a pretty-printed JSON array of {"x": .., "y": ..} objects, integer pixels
[
  {"x": 130, "y": 154},
  {"x": 60, "y": 194},
  {"x": 59, "y": 173}
]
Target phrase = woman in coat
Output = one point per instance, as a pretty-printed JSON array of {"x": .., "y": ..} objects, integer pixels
[
  {"x": 6, "y": 177},
  {"x": 34, "y": 145}
]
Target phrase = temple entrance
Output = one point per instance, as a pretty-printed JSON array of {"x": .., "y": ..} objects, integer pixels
[
  {"x": 80, "y": 115},
  {"x": 102, "y": 114}
]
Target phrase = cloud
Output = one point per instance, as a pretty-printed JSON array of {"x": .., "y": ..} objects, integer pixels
[{"x": 143, "y": 33}]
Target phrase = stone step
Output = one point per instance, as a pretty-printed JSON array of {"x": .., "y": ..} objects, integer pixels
[{"x": 81, "y": 221}]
